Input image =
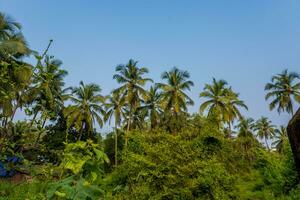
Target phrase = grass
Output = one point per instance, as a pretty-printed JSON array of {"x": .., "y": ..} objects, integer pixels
[{"x": 22, "y": 191}]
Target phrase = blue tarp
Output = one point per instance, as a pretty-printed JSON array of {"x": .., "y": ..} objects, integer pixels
[{"x": 11, "y": 161}]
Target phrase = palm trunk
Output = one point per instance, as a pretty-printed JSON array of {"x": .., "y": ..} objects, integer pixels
[
  {"x": 229, "y": 131},
  {"x": 39, "y": 135},
  {"x": 4, "y": 124},
  {"x": 15, "y": 110},
  {"x": 16, "y": 107},
  {"x": 14, "y": 113},
  {"x": 127, "y": 132},
  {"x": 44, "y": 122},
  {"x": 152, "y": 121},
  {"x": 267, "y": 144},
  {"x": 176, "y": 119},
  {"x": 67, "y": 135},
  {"x": 116, "y": 145},
  {"x": 81, "y": 131},
  {"x": 5, "y": 121},
  {"x": 33, "y": 119},
  {"x": 80, "y": 136},
  {"x": 37, "y": 139}
]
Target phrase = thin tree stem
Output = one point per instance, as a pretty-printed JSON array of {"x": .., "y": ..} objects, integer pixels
[
  {"x": 116, "y": 145},
  {"x": 33, "y": 119},
  {"x": 44, "y": 122}
]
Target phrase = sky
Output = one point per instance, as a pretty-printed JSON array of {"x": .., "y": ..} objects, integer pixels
[{"x": 243, "y": 42}]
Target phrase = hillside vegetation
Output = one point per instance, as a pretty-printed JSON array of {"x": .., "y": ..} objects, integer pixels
[{"x": 156, "y": 149}]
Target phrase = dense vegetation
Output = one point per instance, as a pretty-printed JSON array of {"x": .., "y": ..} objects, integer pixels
[{"x": 156, "y": 149}]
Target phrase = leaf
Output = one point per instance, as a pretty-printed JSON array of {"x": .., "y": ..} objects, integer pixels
[
  {"x": 75, "y": 165},
  {"x": 60, "y": 194},
  {"x": 101, "y": 155},
  {"x": 94, "y": 176}
]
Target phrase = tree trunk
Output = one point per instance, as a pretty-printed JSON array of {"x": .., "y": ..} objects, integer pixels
[
  {"x": 37, "y": 139},
  {"x": 14, "y": 113},
  {"x": 67, "y": 135},
  {"x": 127, "y": 132},
  {"x": 33, "y": 119},
  {"x": 15, "y": 108},
  {"x": 293, "y": 131},
  {"x": 81, "y": 131},
  {"x": 229, "y": 131},
  {"x": 44, "y": 122},
  {"x": 5, "y": 122},
  {"x": 40, "y": 132},
  {"x": 116, "y": 146},
  {"x": 4, "y": 133},
  {"x": 267, "y": 144}
]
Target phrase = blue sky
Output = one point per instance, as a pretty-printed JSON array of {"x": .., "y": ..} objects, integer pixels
[{"x": 243, "y": 42}]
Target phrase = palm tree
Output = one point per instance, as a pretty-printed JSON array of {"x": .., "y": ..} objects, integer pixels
[
  {"x": 223, "y": 102},
  {"x": 233, "y": 103},
  {"x": 19, "y": 78},
  {"x": 12, "y": 42},
  {"x": 132, "y": 81},
  {"x": 39, "y": 131},
  {"x": 245, "y": 127},
  {"x": 152, "y": 105},
  {"x": 265, "y": 130},
  {"x": 174, "y": 98},
  {"x": 280, "y": 137},
  {"x": 137, "y": 118},
  {"x": 282, "y": 89},
  {"x": 115, "y": 109},
  {"x": 216, "y": 103},
  {"x": 245, "y": 137},
  {"x": 87, "y": 108},
  {"x": 48, "y": 88}
]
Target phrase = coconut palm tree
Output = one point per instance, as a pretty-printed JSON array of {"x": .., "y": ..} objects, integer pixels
[
  {"x": 222, "y": 102},
  {"x": 174, "y": 99},
  {"x": 48, "y": 89},
  {"x": 115, "y": 109},
  {"x": 87, "y": 108},
  {"x": 280, "y": 138},
  {"x": 233, "y": 103},
  {"x": 137, "y": 118},
  {"x": 132, "y": 81},
  {"x": 12, "y": 41},
  {"x": 245, "y": 136},
  {"x": 265, "y": 130},
  {"x": 152, "y": 103},
  {"x": 216, "y": 103},
  {"x": 19, "y": 78},
  {"x": 15, "y": 80},
  {"x": 245, "y": 127},
  {"x": 282, "y": 89}
]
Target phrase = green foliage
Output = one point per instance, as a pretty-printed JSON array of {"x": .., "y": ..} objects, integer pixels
[
  {"x": 81, "y": 166},
  {"x": 84, "y": 158},
  {"x": 74, "y": 189},
  {"x": 12, "y": 41},
  {"x": 174, "y": 98},
  {"x": 26, "y": 191},
  {"x": 160, "y": 151},
  {"x": 283, "y": 89},
  {"x": 157, "y": 165},
  {"x": 87, "y": 108}
]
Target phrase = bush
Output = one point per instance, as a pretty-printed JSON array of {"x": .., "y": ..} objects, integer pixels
[{"x": 157, "y": 165}]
